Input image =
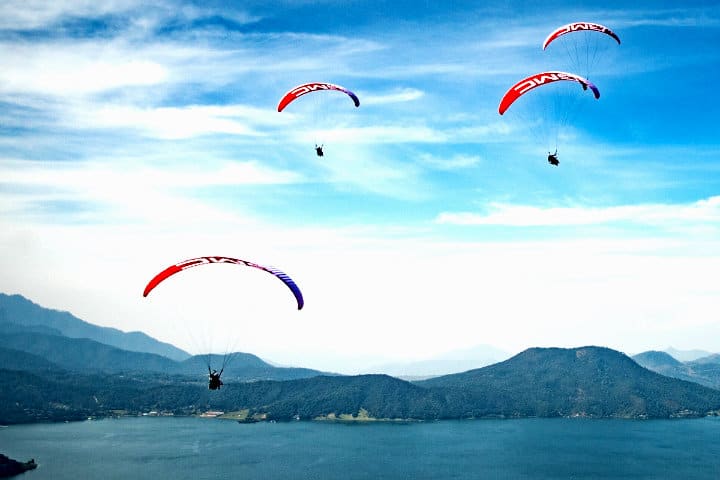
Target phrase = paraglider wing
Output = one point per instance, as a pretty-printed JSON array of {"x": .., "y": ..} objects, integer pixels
[
  {"x": 301, "y": 90},
  {"x": 194, "y": 262},
  {"x": 578, "y": 26},
  {"x": 539, "y": 79}
]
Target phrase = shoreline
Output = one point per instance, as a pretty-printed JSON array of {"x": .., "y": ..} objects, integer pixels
[{"x": 243, "y": 418}]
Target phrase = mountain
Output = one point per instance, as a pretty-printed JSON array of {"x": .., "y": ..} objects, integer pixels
[
  {"x": 705, "y": 371},
  {"x": 545, "y": 382},
  {"x": 686, "y": 355},
  {"x": 713, "y": 359},
  {"x": 586, "y": 381},
  {"x": 88, "y": 356},
  {"x": 35, "y": 397},
  {"x": 19, "y": 310},
  {"x": 18, "y": 360},
  {"x": 85, "y": 355},
  {"x": 451, "y": 362},
  {"x": 32, "y": 397},
  {"x": 376, "y": 396},
  {"x": 11, "y": 327},
  {"x": 49, "y": 374},
  {"x": 244, "y": 367},
  {"x": 658, "y": 361},
  {"x": 39, "y": 337},
  {"x": 708, "y": 369}
]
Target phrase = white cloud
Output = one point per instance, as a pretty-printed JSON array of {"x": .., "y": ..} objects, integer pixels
[
  {"x": 455, "y": 162},
  {"x": 37, "y": 14},
  {"x": 32, "y": 14},
  {"x": 686, "y": 17},
  {"x": 76, "y": 68},
  {"x": 110, "y": 193},
  {"x": 398, "y": 96},
  {"x": 175, "y": 122},
  {"x": 87, "y": 175}
]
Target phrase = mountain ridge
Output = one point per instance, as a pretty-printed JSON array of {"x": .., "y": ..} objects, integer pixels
[
  {"x": 585, "y": 381},
  {"x": 704, "y": 370},
  {"x": 82, "y": 355},
  {"x": 22, "y": 311},
  {"x": 590, "y": 381},
  {"x": 49, "y": 376}
]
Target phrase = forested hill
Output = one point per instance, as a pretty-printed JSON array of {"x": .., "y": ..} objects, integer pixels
[
  {"x": 587, "y": 381},
  {"x": 12, "y": 359},
  {"x": 85, "y": 355},
  {"x": 657, "y": 359},
  {"x": 82, "y": 355},
  {"x": 540, "y": 382},
  {"x": 72, "y": 344},
  {"x": 48, "y": 373}
]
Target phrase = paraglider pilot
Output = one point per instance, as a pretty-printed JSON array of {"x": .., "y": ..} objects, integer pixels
[
  {"x": 215, "y": 383},
  {"x": 552, "y": 158},
  {"x": 319, "y": 150}
]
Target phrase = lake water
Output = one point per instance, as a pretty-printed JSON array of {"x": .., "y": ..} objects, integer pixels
[{"x": 198, "y": 448}]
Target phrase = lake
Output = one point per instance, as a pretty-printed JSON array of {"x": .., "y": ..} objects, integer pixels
[{"x": 199, "y": 448}]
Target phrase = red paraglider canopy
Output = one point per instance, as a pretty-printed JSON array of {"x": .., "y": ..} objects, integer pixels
[
  {"x": 579, "y": 26},
  {"x": 194, "y": 262},
  {"x": 539, "y": 79},
  {"x": 301, "y": 90}
]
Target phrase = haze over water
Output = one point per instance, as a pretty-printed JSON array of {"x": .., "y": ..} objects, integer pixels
[{"x": 194, "y": 448}]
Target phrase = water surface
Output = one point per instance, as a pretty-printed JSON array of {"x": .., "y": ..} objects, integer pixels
[{"x": 197, "y": 448}]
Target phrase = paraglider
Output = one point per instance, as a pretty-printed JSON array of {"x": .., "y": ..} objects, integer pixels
[
  {"x": 549, "y": 111},
  {"x": 552, "y": 159},
  {"x": 211, "y": 335},
  {"x": 548, "y": 114},
  {"x": 214, "y": 382},
  {"x": 319, "y": 108}
]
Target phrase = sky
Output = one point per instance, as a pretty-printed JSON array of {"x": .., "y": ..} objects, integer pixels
[{"x": 133, "y": 137}]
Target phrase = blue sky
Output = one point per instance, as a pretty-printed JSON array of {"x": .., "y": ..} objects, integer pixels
[{"x": 133, "y": 137}]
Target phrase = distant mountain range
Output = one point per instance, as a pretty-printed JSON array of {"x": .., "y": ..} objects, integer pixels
[
  {"x": 705, "y": 370},
  {"x": 41, "y": 334},
  {"x": 450, "y": 362},
  {"x": 687, "y": 355},
  {"x": 587, "y": 381},
  {"x": 21, "y": 311},
  {"x": 48, "y": 375}
]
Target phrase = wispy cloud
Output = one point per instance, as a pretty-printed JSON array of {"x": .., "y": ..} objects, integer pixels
[
  {"x": 397, "y": 96},
  {"x": 176, "y": 122},
  {"x": 455, "y": 162},
  {"x": 33, "y": 14},
  {"x": 37, "y": 14},
  {"x": 75, "y": 68},
  {"x": 690, "y": 16},
  {"x": 101, "y": 192}
]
